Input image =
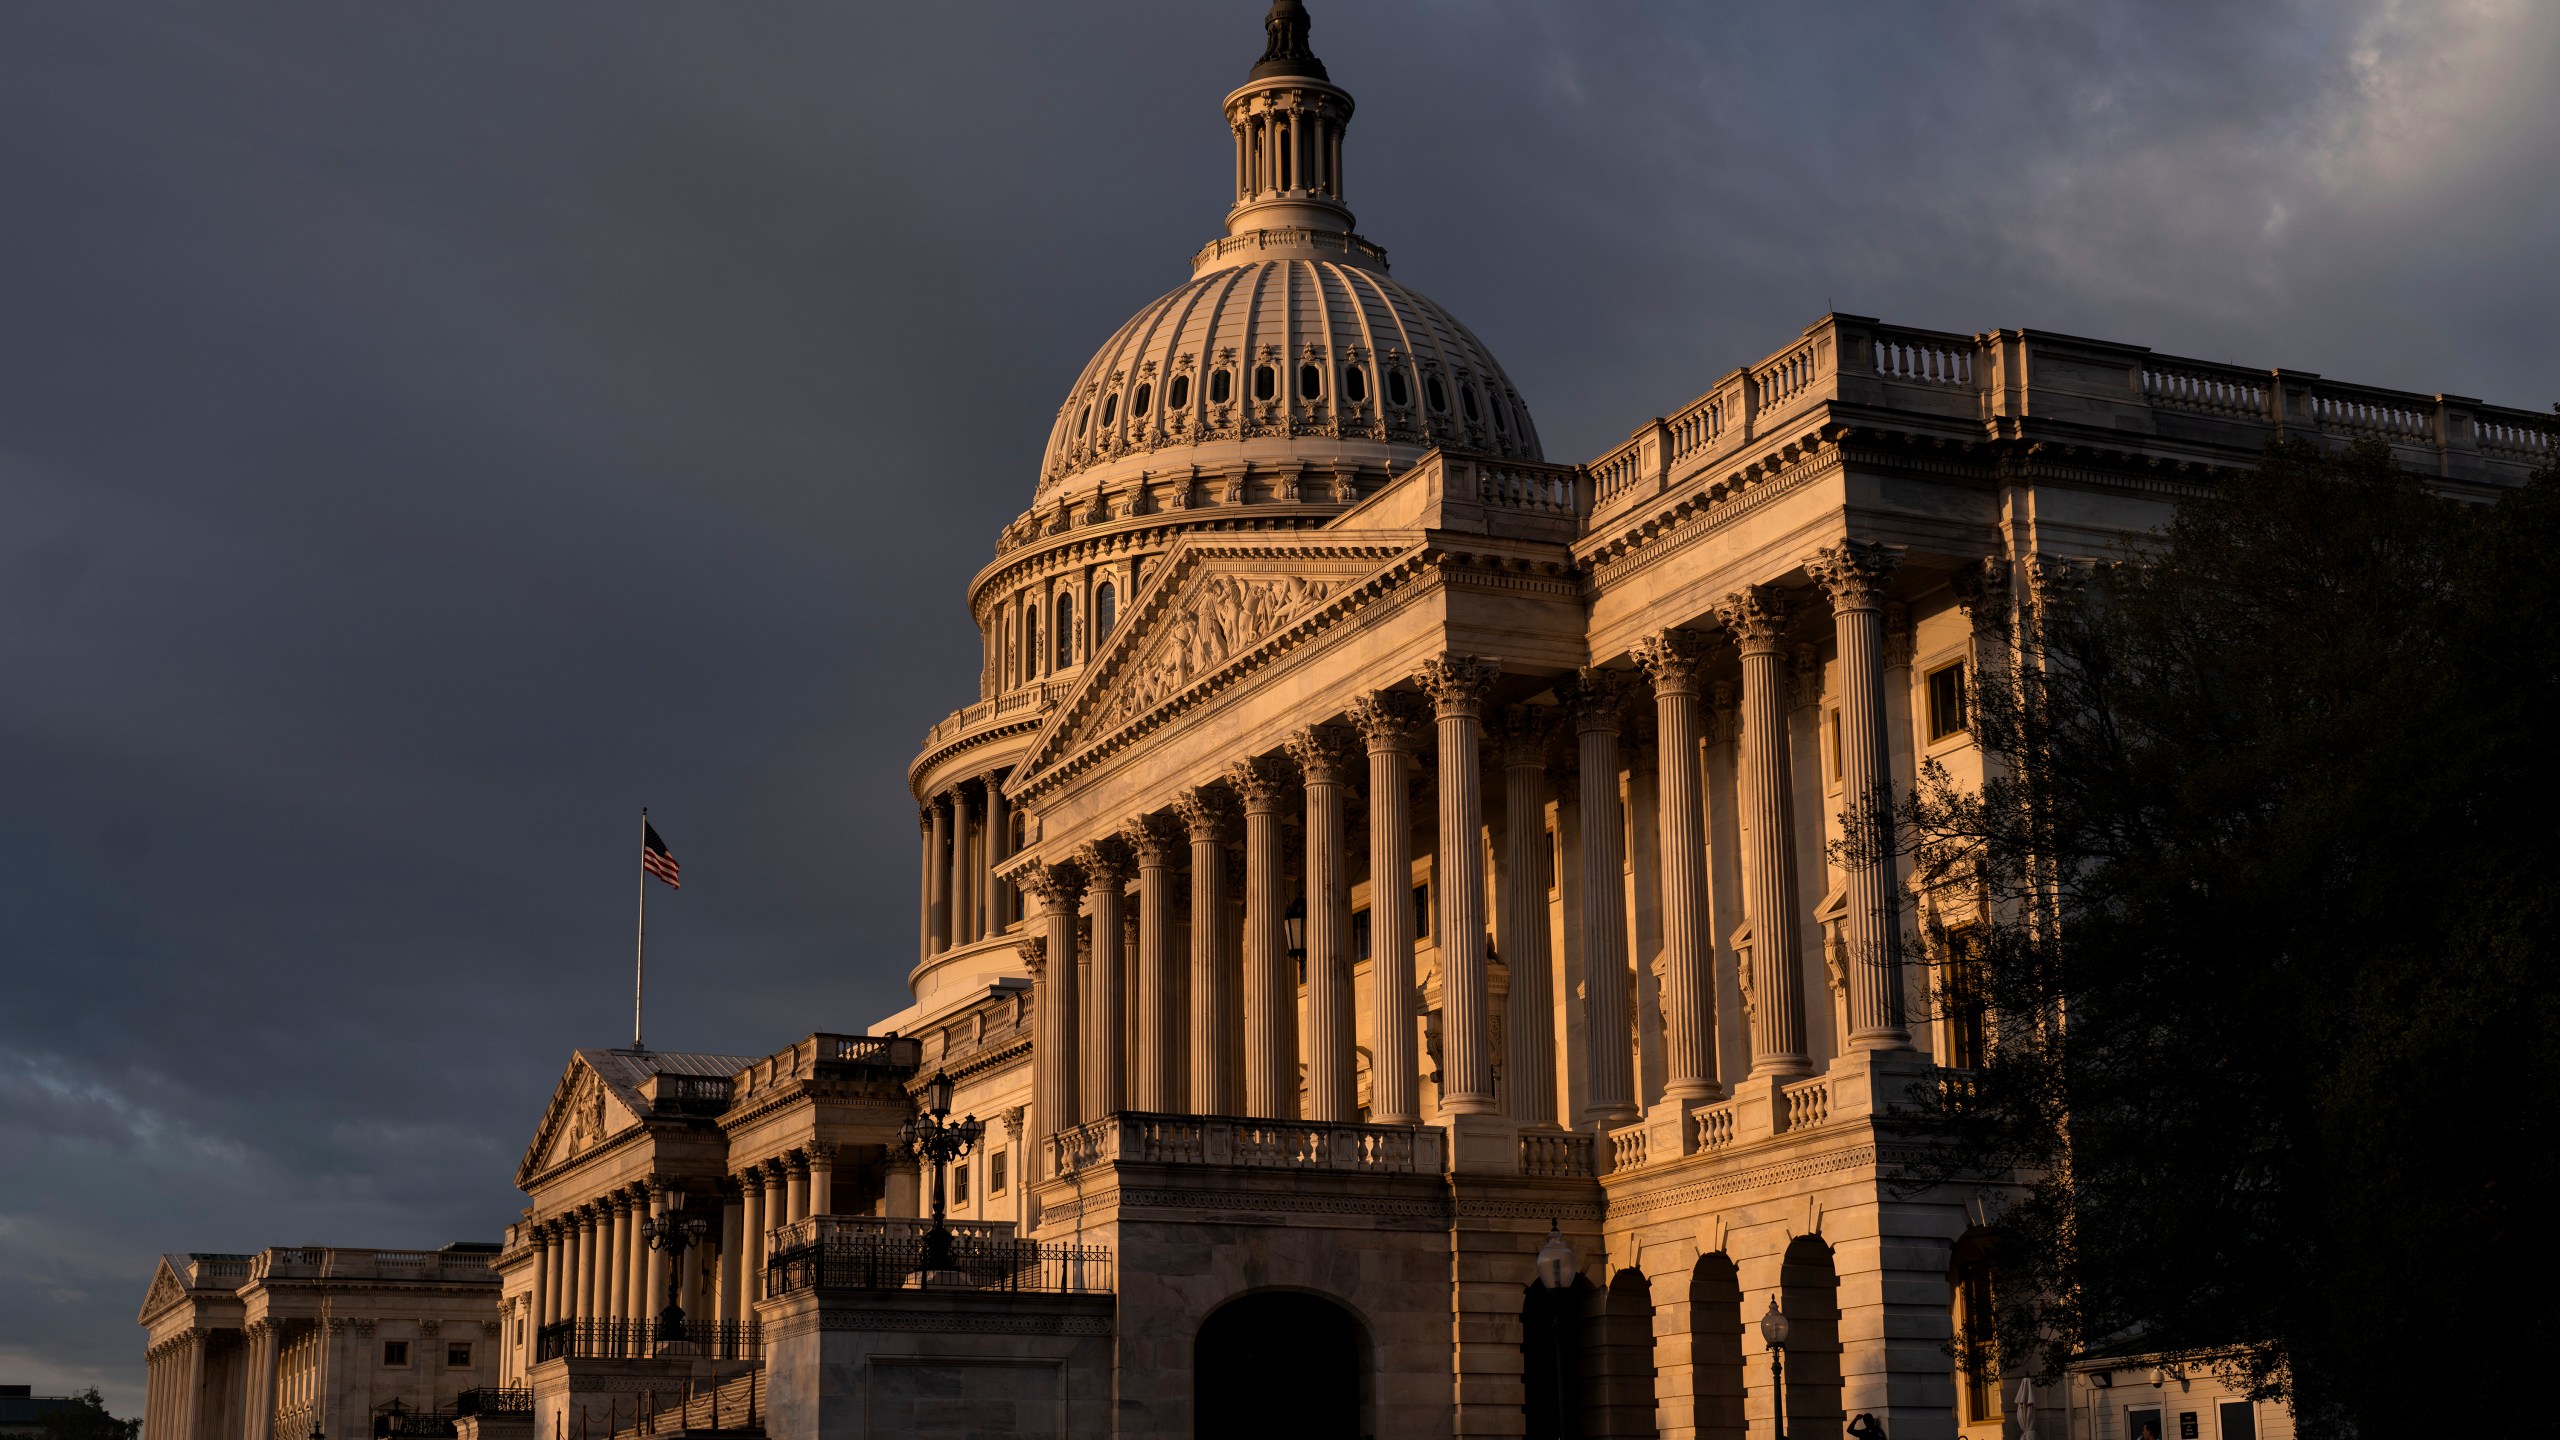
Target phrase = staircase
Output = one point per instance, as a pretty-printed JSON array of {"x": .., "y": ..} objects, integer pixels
[{"x": 735, "y": 1407}]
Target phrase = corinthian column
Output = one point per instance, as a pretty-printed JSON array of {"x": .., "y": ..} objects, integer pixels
[
  {"x": 938, "y": 877},
  {"x": 1157, "y": 1083},
  {"x": 1107, "y": 864},
  {"x": 1672, "y": 658},
  {"x": 1386, "y": 721},
  {"x": 997, "y": 827},
  {"x": 1270, "y": 989},
  {"x": 1214, "y": 1072},
  {"x": 962, "y": 912},
  {"x": 1608, "y": 1019},
  {"x": 1773, "y": 975},
  {"x": 925, "y": 817},
  {"x": 1324, "y": 764},
  {"x": 1854, "y": 576},
  {"x": 1458, "y": 685},
  {"x": 1520, "y": 921},
  {"x": 1058, "y": 888}
]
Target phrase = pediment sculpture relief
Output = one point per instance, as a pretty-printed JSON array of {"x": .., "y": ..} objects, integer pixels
[
  {"x": 586, "y": 1113},
  {"x": 1227, "y": 613}
]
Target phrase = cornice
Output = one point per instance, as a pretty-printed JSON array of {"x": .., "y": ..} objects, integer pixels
[{"x": 1641, "y": 537}]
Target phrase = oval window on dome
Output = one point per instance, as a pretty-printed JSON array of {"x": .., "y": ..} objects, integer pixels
[
  {"x": 1467, "y": 400},
  {"x": 1432, "y": 392},
  {"x": 1084, "y": 421},
  {"x": 1266, "y": 382},
  {"x": 1138, "y": 402},
  {"x": 1501, "y": 421},
  {"x": 1310, "y": 382},
  {"x": 1399, "y": 391},
  {"x": 1355, "y": 384},
  {"x": 1221, "y": 386},
  {"x": 1110, "y": 408},
  {"x": 1178, "y": 394}
]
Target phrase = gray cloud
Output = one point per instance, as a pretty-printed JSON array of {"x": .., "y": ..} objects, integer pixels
[{"x": 427, "y": 433}]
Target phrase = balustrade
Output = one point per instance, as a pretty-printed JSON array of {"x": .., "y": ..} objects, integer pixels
[
  {"x": 1626, "y": 1149},
  {"x": 2241, "y": 394},
  {"x": 1555, "y": 1154},
  {"x": 1138, "y": 1138},
  {"x": 1780, "y": 381},
  {"x": 1808, "y": 1103},
  {"x": 1712, "y": 1128},
  {"x": 1917, "y": 359}
]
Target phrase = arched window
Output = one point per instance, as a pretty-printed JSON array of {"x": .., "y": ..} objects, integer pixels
[
  {"x": 1501, "y": 423},
  {"x": 1030, "y": 641},
  {"x": 1084, "y": 421},
  {"x": 1221, "y": 386},
  {"x": 1355, "y": 384},
  {"x": 1266, "y": 382},
  {"x": 1062, "y": 633},
  {"x": 1012, "y": 652},
  {"x": 1310, "y": 382},
  {"x": 1466, "y": 399},
  {"x": 1399, "y": 393},
  {"x": 1110, "y": 408},
  {"x": 1106, "y": 609},
  {"x": 1809, "y": 1289},
  {"x": 1138, "y": 402},
  {"x": 1178, "y": 394},
  {"x": 1715, "y": 1347},
  {"x": 1438, "y": 397}
]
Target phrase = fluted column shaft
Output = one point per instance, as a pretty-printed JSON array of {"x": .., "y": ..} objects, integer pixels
[
  {"x": 995, "y": 830},
  {"x": 651, "y": 1278},
  {"x": 1386, "y": 723},
  {"x": 795, "y": 1187},
  {"x": 265, "y": 1342},
  {"x": 1270, "y": 982},
  {"x": 1608, "y": 1021},
  {"x": 1214, "y": 1013},
  {"x": 1520, "y": 925},
  {"x": 1672, "y": 658},
  {"x": 1105, "y": 1005},
  {"x": 1158, "y": 1081},
  {"x": 1855, "y": 576},
  {"x": 617, "y": 1302},
  {"x": 1458, "y": 685},
  {"x": 582, "y": 1292},
  {"x": 541, "y": 1297},
  {"x": 938, "y": 877},
  {"x": 1332, "y": 1090},
  {"x": 963, "y": 825},
  {"x": 1774, "y": 994},
  {"x": 777, "y": 1195},
  {"x": 924, "y": 884},
  {"x": 1055, "y": 1019}
]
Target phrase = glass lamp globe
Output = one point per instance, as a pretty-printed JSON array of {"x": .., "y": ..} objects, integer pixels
[
  {"x": 939, "y": 1088},
  {"x": 1773, "y": 1327},
  {"x": 1557, "y": 1264}
]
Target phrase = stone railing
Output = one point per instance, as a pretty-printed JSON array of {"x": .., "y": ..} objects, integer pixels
[
  {"x": 325, "y": 1263},
  {"x": 1538, "y": 489},
  {"x": 821, "y": 1229},
  {"x": 800, "y": 1060},
  {"x": 1555, "y": 1154},
  {"x": 1627, "y": 1148},
  {"x": 1023, "y": 700},
  {"x": 1142, "y": 1138},
  {"x": 1808, "y": 1102},
  {"x": 1711, "y": 1128},
  {"x": 972, "y": 1258}
]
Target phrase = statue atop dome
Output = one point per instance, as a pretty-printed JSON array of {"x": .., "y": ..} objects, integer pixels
[{"x": 1285, "y": 52}]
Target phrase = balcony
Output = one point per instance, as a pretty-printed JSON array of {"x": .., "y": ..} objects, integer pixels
[
  {"x": 852, "y": 1252},
  {"x": 648, "y": 1340},
  {"x": 1140, "y": 1137}
]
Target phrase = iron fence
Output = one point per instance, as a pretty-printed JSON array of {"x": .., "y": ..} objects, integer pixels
[
  {"x": 903, "y": 1261},
  {"x": 649, "y": 1340}
]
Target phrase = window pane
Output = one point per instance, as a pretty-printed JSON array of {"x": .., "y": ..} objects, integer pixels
[
  {"x": 1946, "y": 701},
  {"x": 2239, "y": 1420}
]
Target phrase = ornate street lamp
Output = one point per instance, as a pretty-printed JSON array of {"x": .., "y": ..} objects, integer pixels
[
  {"x": 674, "y": 1232},
  {"x": 1773, "y": 1329},
  {"x": 1293, "y": 922},
  {"x": 1557, "y": 1266},
  {"x": 940, "y": 1140}
]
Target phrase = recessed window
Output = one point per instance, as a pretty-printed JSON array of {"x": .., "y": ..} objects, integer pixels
[
  {"x": 1138, "y": 402},
  {"x": 457, "y": 1354},
  {"x": 1466, "y": 400},
  {"x": 395, "y": 1352},
  {"x": 1964, "y": 999},
  {"x": 1355, "y": 384},
  {"x": 1359, "y": 934},
  {"x": 1106, "y": 608},
  {"x": 1063, "y": 633},
  {"x": 1422, "y": 911},
  {"x": 1266, "y": 382},
  {"x": 1947, "y": 701},
  {"x": 1310, "y": 382},
  {"x": 1399, "y": 391},
  {"x": 1084, "y": 421},
  {"x": 1178, "y": 394},
  {"x": 1973, "y": 1327},
  {"x": 1221, "y": 386},
  {"x": 1438, "y": 397},
  {"x": 1831, "y": 745},
  {"x": 1031, "y": 641},
  {"x": 1501, "y": 423},
  {"x": 995, "y": 1173},
  {"x": 960, "y": 1184},
  {"x": 1110, "y": 409}
]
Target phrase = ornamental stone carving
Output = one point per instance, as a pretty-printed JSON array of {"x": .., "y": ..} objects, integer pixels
[
  {"x": 1674, "y": 659},
  {"x": 1983, "y": 590},
  {"x": 1853, "y": 574},
  {"x": 1205, "y": 812},
  {"x": 1107, "y": 862},
  {"x": 1458, "y": 684},
  {"x": 1322, "y": 754},
  {"x": 1387, "y": 719},
  {"x": 1226, "y": 614},
  {"x": 1756, "y": 618},
  {"x": 1156, "y": 839},
  {"x": 1262, "y": 781},
  {"x": 1524, "y": 735},
  {"x": 1596, "y": 698},
  {"x": 1035, "y": 955}
]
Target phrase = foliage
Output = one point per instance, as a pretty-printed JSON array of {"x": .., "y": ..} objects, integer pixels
[
  {"x": 87, "y": 1420},
  {"x": 2264, "y": 886}
]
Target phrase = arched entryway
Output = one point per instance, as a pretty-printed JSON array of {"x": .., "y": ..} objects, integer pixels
[
  {"x": 1810, "y": 1290},
  {"x": 1551, "y": 1358},
  {"x": 1715, "y": 1347},
  {"x": 1617, "y": 1356},
  {"x": 1280, "y": 1365}
]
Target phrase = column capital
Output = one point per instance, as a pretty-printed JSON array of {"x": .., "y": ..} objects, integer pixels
[
  {"x": 1853, "y": 573},
  {"x": 1035, "y": 955},
  {"x": 1107, "y": 862},
  {"x": 1205, "y": 811},
  {"x": 1322, "y": 754},
  {"x": 1756, "y": 617},
  {"x": 1982, "y": 588},
  {"x": 925, "y": 817},
  {"x": 939, "y": 802},
  {"x": 2052, "y": 580},
  {"x": 1155, "y": 837},
  {"x": 1387, "y": 719},
  {"x": 1458, "y": 684},
  {"x": 1262, "y": 781},
  {"x": 1056, "y": 887},
  {"x": 1595, "y": 697},
  {"x": 1674, "y": 659},
  {"x": 1524, "y": 733}
]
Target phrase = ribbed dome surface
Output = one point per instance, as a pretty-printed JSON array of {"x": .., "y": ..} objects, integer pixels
[{"x": 1321, "y": 359}]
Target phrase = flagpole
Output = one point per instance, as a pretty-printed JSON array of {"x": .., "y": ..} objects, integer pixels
[{"x": 640, "y": 942}]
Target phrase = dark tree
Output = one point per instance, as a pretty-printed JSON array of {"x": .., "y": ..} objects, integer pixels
[
  {"x": 2260, "y": 912},
  {"x": 87, "y": 1420}
]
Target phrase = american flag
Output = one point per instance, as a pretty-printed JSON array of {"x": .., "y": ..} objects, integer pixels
[{"x": 654, "y": 858}]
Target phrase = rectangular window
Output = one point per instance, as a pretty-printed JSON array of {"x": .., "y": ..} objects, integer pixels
[
  {"x": 1359, "y": 934},
  {"x": 1422, "y": 911},
  {"x": 1981, "y": 1384},
  {"x": 457, "y": 1354},
  {"x": 1947, "y": 714},
  {"x": 995, "y": 1174},
  {"x": 2143, "y": 1425},
  {"x": 1966, "y": 1002},
  {"x": 959, "y": 1184},
  {"x": 2239, "y": 1420},
  {"x": 1831, "y": 745},
  {"x": 395, "y": 1352}
]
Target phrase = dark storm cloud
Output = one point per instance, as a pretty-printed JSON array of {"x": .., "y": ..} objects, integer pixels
[{"x": 427, "y": 433}]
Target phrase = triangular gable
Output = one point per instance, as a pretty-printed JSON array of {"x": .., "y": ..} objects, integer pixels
[
  {"x": 1212, "y": 603},
  {"x": 586, "y": 1110},
  {"x": 168, "y": 1287}
]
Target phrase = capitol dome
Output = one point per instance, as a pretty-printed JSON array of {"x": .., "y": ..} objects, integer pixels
[{"x": 1290, "y": 344}]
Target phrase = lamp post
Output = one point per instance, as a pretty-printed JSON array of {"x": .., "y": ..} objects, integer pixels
[
  {"x": 940, "y": 1140},
  {"x": 1773, "y": 1329},
  {"x": 674, "y": 1232},
  {"x": 1557, "y": 1267},
  {"x": 1293, "y": 923}
]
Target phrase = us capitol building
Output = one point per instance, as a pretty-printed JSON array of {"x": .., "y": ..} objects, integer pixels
[{"x": 1381, "y": 912}]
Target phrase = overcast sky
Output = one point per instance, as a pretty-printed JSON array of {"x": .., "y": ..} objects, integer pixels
[{"x": 429, "y": 433}]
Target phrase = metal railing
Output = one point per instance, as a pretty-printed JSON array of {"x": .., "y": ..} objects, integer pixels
[
  {"x": 493, "y": 1400},
  {"x": 880, "y": 1260},
  {"x": 855, "y": 1229},
  {"x": 649, "y": 1340}
]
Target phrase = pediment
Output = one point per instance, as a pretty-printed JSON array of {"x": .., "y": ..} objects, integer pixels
[
  {"x": 167, "y": 1289},
  {"x": 586, "y": 1110},
  {"x": 1211, "y": 606}
]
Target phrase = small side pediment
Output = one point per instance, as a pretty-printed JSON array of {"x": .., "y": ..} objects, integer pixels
[
  {"x": 586, "y": 1110},
  {"x": 167, "y": 1289}
]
